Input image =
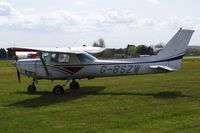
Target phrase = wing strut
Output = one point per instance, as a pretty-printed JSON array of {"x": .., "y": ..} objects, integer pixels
[{"x": 44, "y": 64}]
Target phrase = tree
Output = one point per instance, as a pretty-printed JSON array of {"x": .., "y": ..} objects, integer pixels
[
  {"x": 132, "y": 50},
  {"x": 192, "y": 52},
  {"x": 11, "y": 55},
  {"x": 150, "y": 51},
  {"x": 95, "y": 44},
  {"x": 141, "y": 49},
  {"x": 99, "y": 43},
  {"x": 2, "y": 53},
  {"x": 159, "y": 45}
]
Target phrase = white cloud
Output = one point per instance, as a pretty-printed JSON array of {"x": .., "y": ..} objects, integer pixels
[
  {"x": 60, "y": 20},
  {"x": 148, "y": 22},
  {"x": 29, "y": 10},
  {"x": 109, "y": 20},
  {"x": 155, "y": 2},
  {"x": 80, "y": 3},
  {"x": 119, "y": 17},
  {"x": 7, "y": 10},
  {"x": 184, "y": 22},
  {"x": 103, "y": 22},
  {"x": 64, "y": 21},
  {"x": 54, "y": 21}
]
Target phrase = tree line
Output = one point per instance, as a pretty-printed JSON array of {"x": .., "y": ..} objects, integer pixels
[
  {"x": 6, "y": 54},
  {"x": 133, "y": 50},
  {"x": 192, "y": 52},
  {"x": 129, "y": 51}
]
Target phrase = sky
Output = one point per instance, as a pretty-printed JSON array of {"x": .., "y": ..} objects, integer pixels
[{"x": 63, "y": 23}]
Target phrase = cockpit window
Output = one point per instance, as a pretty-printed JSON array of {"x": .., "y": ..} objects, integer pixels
[
  {"x": 59, "y": 58},
  {"x": 54, "y": 58},
  {"x": 45, "y": 56},
  {"x": 63, "y": 58},
  {"x": 86, "y": 57}
]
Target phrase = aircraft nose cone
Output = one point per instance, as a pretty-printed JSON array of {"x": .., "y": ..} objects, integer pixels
[{"x": 18, "y": 70}]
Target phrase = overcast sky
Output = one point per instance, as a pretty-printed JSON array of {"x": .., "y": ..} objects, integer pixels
[{"x": 61, "y": 23}]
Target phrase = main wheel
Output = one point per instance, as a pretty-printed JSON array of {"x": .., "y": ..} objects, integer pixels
[
  {"x": 31, "y": 89},
  {"x": 74, "y": 85},
  {"x": 58, "y": 89}
]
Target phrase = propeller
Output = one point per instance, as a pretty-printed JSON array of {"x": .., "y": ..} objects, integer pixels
[{"x": 18, "y": 73}]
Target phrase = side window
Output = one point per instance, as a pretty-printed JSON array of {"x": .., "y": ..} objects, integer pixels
[
  {"x": 63, "y": 58},
  {"x": 85, "y": 57},
  {"x": 54, "y": 58},
  {"x": 59, "y": 58}
]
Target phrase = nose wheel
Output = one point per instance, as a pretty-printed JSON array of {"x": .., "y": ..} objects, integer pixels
[
  {"x": 74, "y": 85},
  {"x": 31, "y": 88}
]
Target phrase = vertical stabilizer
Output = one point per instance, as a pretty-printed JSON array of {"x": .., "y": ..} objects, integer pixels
[{"x": 177, "y": 45}]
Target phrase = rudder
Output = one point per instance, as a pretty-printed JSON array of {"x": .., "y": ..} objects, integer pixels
[{"x": 177, "y": 45}]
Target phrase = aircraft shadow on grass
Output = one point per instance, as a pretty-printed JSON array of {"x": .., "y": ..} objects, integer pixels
[
  {"x": 48, "y": 98},
  {"x": 161, "y": 95}
]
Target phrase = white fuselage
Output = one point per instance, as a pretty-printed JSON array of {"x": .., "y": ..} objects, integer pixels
[{"x": 96, "y": 68}]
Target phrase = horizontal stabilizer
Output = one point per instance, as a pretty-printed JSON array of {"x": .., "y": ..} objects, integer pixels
[{"x": 166, "y": 68}]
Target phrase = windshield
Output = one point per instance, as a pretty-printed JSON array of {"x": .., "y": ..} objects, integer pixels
[
  {"x": 86, "y": 57},
  {"x": 45, "y": 56}
]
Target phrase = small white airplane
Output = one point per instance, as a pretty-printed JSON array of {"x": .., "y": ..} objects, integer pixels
[{"x": 76, "y": 63}]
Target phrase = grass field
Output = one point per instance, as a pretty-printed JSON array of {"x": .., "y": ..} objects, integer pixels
[{"x": 162, "y": 103}]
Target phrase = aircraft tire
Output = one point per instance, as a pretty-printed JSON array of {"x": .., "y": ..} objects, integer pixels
[
  {"x": 58, "y": 89},
  {"x": 31, "y": 89},
  {"x": 74, "y": 85}
]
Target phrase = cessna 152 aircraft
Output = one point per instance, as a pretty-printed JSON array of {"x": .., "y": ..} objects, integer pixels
[{"x": 76, "y": 63}]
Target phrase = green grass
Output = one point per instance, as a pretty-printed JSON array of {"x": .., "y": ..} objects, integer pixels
[
  {"x": 6, "y": 63},
  {"x": 161, "y": 103}
]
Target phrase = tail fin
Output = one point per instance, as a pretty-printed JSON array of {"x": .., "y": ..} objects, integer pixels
[{"x": 177, "y": 45}]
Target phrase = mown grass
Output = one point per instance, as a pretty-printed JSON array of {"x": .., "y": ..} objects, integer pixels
[{"x": 161, "y": 103}]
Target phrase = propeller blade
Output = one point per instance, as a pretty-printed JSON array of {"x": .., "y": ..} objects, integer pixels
[{"x": 18, "y": 75}]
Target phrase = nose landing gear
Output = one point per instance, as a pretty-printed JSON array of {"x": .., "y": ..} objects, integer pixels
[
  {"x": 74, "y": 85},
  {"x": 31, "y": 88}
]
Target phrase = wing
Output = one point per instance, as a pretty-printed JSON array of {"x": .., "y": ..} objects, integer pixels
[
  {"x": 75, "y": 50},
  {"x": 51, "y": 50},
  {"x": 89, "y": 49},
  {"x": 166, "y": 68}
]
